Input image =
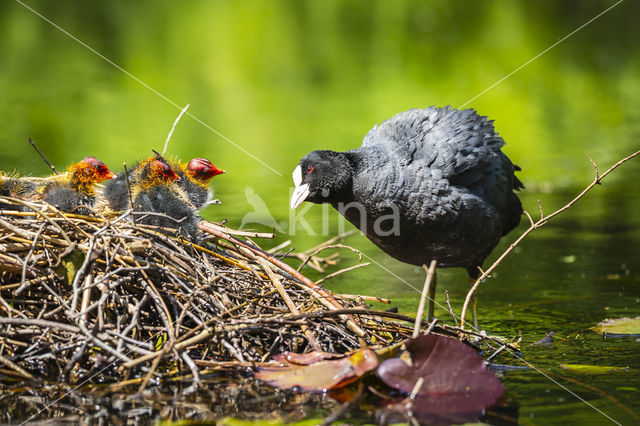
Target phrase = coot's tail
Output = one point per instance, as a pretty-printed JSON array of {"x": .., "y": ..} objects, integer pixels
[
  {"x": 517, "y": 184},
  {"x": 513, "y": 210}
]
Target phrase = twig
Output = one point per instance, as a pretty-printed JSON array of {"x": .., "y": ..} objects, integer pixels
[
  {"x": 306, "y": 256},
  {"x": 542, "y": 221},
  {"x": 453, "y": 315},
  {"x": 33, "y": 144},
  {"x": 331, "y": 241},
  {"x": 12, "y": 365},
  {"x": 432, "y": 325},
  {"x": 274, "y": 250},
  {"x": 175, "y": 123},
  {"x": 250, "y": 234},
  {"x": 416, "y": 388},
  {"x": 425, "y": 289},
  {"x": 287, "y": 300},
  {"x": 367, "y": 298},
  {"x": 26, "y": 260},
  {"x": 126, "y": 176},
  {"x": 350, "y": 268},
  {"x": 39, "y": 323},
  {"x": 326, "y": 298}
]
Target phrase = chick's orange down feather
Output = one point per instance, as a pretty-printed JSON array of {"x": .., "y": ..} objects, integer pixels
[
  {"x": 195, "y": 178},
  {"x": 154, "y": 190},
  {"x": 74, "y": 189}
]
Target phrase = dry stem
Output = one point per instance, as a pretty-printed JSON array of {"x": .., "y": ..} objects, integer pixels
[{"x": 535, "y": 225}]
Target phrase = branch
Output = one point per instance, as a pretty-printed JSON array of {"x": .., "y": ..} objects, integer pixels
[
  {"x": 175, "y": 123},
  {"x": 535, "y": 225}
]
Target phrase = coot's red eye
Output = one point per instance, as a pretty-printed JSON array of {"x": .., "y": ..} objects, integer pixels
[{"x": 309, "y": 169}]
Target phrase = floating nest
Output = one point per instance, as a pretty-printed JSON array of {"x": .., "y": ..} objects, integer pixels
[
  {"x": 104, "y": 317},
  {"x": 101, "y": 299}
]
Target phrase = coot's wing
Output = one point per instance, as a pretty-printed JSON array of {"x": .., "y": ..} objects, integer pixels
[
  {"x": 451, "y": 140},
  {"x": 462, "y": 147}
]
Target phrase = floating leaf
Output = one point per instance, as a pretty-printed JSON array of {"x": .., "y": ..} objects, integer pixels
[
  {"x": 321, "y": 375},
  {"x": 455, "y": 377},
  {"x": 619, "y": 327},
  {"x": 306, "y": 358},
  {"x": 591, "y": 369}
]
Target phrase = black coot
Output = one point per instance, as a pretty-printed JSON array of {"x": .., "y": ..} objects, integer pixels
[{"x": 426, "y": 184}]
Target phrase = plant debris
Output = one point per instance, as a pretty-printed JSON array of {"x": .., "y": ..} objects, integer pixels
[
  {"x": 93, "y": 297},
  {"x": 107, "y": 305}
]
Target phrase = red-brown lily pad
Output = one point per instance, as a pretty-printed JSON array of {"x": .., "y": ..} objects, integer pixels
[
  {"x": 455, "y": 376},
  {"x": 322, "y": 375},
  {"x": 306, "y": 358}
]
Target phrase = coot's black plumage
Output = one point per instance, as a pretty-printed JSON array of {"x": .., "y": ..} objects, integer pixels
[{"x": 440, "y": 169}]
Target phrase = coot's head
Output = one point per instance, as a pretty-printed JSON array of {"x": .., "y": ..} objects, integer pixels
[
  {"x": 321, "y": 177},
  {"x": 203, "y": 169}
]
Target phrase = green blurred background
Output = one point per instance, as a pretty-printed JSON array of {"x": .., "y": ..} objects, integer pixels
[{"x": 281, "y": 78}]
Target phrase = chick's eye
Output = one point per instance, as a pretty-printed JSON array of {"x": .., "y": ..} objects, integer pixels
[{"x": 309, "y": 169}]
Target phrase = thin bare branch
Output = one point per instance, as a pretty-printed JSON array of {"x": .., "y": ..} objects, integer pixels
[{"x": 543, "y": 220}]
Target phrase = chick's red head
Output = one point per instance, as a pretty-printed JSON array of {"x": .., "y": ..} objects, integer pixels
[
  {"x": 203, "y": 169},
  {"x": 162, "y": 170},
  {"x": 100, "y": 169}
]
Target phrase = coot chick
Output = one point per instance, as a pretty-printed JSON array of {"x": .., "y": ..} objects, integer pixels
[
  {"x": 11, "y": 185},
  {"x": 426, "y": 184},
  {"x": 75, "y": 188},
  {"x": 195, "y": 178},
  {"x": 157, "y": 190},
  {"x": 154, "y": 189},
  {"x": 140, "y": 175}
]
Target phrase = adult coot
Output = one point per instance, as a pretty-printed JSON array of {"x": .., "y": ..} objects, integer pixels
[{"x": 426, "y": 184}]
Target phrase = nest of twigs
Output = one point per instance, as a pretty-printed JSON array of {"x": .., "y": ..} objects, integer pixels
[{"x": 102, "y": 299}]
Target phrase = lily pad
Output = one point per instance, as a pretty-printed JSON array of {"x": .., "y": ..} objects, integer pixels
[
  {"x": 321, "y": 375},
  {"x": 619, "y": 327},
  {"x": 591, "y": 369},
  {"x": 306, "y": 358},
  {"x": 455, "y": 378}
]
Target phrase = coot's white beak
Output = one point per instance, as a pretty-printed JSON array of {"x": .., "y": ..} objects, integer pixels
[
  {"x": 297, "y": 175},
  {"x": 301, "y": 191}
]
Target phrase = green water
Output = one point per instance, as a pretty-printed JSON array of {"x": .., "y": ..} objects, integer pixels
[{"x": 282, "y": 78}]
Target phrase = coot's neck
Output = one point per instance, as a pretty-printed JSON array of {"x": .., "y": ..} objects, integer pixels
[{"x": 342, "y": 181}]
